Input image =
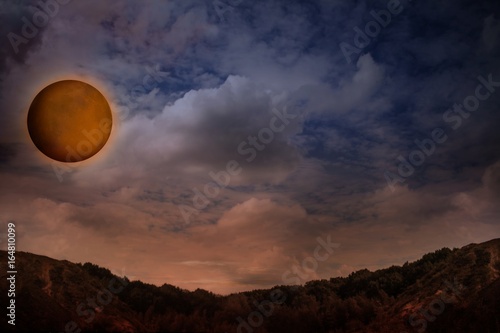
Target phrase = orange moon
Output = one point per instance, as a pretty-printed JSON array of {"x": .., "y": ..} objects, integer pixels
[{"x": 69, "y": 121}]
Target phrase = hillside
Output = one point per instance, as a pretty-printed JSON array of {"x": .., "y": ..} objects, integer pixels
[{"x": 445, "y": 291}]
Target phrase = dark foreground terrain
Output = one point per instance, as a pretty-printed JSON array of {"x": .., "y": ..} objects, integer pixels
[{"x": 446, "y": 291}]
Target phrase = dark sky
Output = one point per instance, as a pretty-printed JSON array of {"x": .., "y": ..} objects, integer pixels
[{"x": 382, "y": 137}]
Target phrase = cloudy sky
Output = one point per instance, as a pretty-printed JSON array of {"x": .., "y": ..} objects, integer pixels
[{"x": 369, "y": 124}]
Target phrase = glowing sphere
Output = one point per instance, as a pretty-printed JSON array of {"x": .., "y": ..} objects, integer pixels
[{"x": 69, "y": 121}]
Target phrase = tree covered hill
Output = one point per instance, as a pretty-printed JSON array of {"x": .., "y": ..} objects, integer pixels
[{"x": 445, "y": 291}]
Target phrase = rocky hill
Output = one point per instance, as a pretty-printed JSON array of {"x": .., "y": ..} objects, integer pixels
[{"x": 445, "y": 291}]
